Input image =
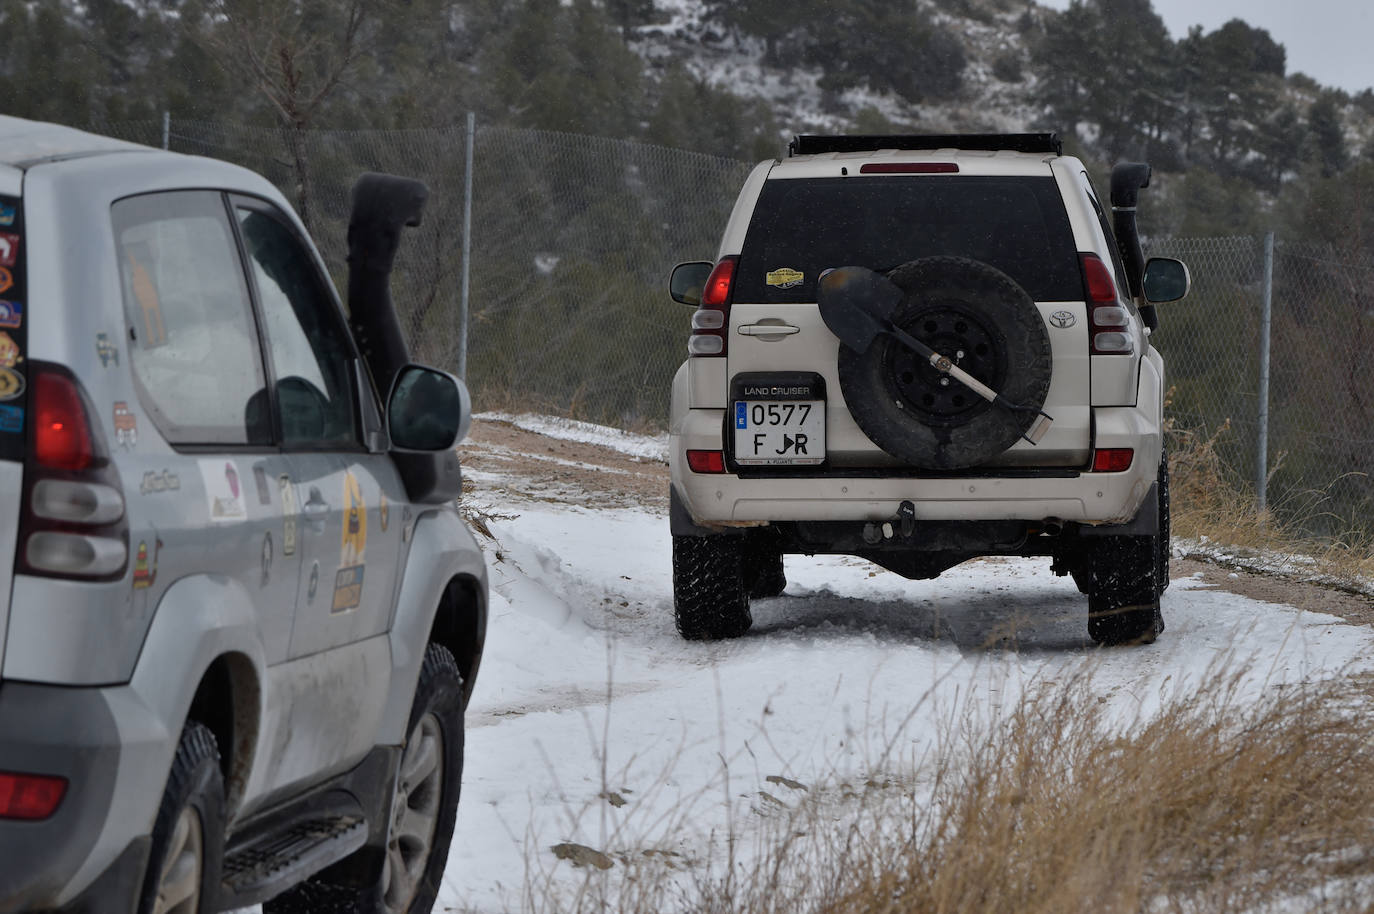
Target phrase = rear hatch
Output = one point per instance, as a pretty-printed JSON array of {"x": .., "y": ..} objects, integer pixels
[
  {"x": 803, "y": 225},
  {"x": 13, "y": 336}
]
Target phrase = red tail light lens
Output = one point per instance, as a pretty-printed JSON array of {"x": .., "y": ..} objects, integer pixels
[
  {"x": 30, "y": 796},
  {"x": 62, "y": 430},
  {"x": 706, "y": 461},
  {"x": 909, "y": 168},
  {"x": 711, "y": 321},
  {"x": 717, "y": 291},
  {"x": 1097, "y": 279},
  {"x": 1112, "y": 459}
]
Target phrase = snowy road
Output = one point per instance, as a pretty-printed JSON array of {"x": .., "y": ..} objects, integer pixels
[{"x": 594, "y": 724}]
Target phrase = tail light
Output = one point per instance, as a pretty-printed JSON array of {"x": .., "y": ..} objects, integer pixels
[
  {"x": 73, "y": 523},
  {"x": 1112, "y": 459},
  {"x": 706, "y": 461},
  {"x": 711, "y": 320},
  {"x": 62, "y": 430},
  {"x": 1108, "y": 322},
  {"x": 30, "y": 796}
]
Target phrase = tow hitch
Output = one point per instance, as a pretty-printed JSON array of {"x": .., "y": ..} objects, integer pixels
[{"x": 903, "y": 524}]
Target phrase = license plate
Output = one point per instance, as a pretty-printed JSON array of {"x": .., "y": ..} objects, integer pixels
[{"x": 779, "y": 432}]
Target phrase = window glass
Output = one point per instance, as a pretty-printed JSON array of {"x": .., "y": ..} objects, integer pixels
[
  {"x": 803, "y": 226},
  {"x": 310, "y": 353},
  {"x": 193, "y": 345}
]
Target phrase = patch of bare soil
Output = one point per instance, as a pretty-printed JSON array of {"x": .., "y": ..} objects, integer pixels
[
  {"x": 568, "y": 472},
  {"x": 1274, "y": 589},
  {"x": 571, "y": 472}
]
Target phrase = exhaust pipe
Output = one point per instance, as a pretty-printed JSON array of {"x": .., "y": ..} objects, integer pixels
[
  {"x": 382, "y": 206},
  {"x": 1128, "y": 178}
]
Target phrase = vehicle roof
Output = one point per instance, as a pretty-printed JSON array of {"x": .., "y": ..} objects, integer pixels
[
  {"x": 24, "y": 142},
  {"x": 970, "y": 162}
]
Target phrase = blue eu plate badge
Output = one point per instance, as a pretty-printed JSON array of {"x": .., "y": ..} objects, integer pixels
[{"x": 741, "y": 415}]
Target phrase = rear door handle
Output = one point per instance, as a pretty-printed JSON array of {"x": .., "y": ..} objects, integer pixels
[{"x": 768, "y": 329}]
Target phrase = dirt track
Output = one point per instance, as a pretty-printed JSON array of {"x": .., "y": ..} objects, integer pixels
[{"x": 574, "y": 473}]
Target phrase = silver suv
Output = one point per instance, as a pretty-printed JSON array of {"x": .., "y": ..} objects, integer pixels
[
  {"x": 918, "y": 350},
  {"x": 242, "y": 616}
]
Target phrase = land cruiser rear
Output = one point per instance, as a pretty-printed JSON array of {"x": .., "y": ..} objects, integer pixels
[{"x": 919, "y": 350}]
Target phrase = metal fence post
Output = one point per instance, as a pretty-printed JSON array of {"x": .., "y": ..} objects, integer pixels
[
  {"x": 467, "y": 253},
  {"x": 1262, "y": 445},
  {"x": 166, "y": 129}
]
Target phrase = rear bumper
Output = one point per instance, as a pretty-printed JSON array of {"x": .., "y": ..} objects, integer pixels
[
  {"x": 67, "y": 862},
  {"x": 725, "y": 500}
]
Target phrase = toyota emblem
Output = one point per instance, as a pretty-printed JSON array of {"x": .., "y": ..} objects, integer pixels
[{"x": 1062, "y": 319}]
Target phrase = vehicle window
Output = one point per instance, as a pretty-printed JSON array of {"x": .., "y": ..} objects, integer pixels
[
  {"x": 193, "y": 345},
  {"x": 1117, "y": 265},
  {"x": 803, "y": 226},
  {"x": 305, "y": 337}
]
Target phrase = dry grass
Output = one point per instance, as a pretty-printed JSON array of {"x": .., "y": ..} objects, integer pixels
[
  {"x": 1221, "y": 802},
  {"x": 1212, "y": 504}
]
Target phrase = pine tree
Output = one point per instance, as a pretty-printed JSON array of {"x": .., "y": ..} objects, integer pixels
[{"x": 1327, "y": 145}]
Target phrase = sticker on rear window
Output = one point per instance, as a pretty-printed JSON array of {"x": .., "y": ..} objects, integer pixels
[
  {"x": 9, "y": 249},
  {"x": 11, "y": 419},
  {"x": 11, "y": 384},
  {"x": 9, "y": 351},
  {"x": 11, "y": 314},
  {"x": 6, "y": 214},
  {"x": 785, "y": 278},
  {"x": 6, "y": 280}
]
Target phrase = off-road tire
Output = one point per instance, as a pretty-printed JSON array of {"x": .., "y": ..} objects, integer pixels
[
  {"x": 1120, "y": 576},
  {"x": 436, "y": 714},
  {"x": 763, "y": 572},
  {"x": 710, "y": 599},
  {"x": 194, "y": 800},
  {"x": 925, "y": 418}
]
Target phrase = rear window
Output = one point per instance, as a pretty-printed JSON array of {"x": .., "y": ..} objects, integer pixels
[{"x": 803, "y": 226}]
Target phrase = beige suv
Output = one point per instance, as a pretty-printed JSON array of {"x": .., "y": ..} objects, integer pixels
[{"x": 918, "y": 350}]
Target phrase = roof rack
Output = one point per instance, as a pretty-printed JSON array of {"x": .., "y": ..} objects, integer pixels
[{"x": 987, "y": 142}]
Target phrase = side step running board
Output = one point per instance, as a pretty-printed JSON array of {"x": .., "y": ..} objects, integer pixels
[{"x": 265, "y": 866}]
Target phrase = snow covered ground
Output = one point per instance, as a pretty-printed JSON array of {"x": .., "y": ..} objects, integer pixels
[{"x": 594, "y": 724}]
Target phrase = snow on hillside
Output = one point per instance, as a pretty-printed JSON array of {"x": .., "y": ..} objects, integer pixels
[{"x": 735, "y": 63}]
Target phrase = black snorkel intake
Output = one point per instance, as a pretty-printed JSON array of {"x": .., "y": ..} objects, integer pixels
[
  {"x": 1128, "y": 178},
  {"x": 382, "y": 206}
]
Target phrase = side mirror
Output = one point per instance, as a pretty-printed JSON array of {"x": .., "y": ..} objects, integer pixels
[
  {"x": 428, "y": 410},
  {"x": 1166, "y": 279},
  {"x": 688, "y": 280}
]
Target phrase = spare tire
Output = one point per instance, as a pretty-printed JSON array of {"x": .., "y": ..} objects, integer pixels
[{"x": 984, "y": 322}]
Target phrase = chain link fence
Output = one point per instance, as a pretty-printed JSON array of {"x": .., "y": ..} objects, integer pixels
[
  {"x": 1320, "y": 399},
  {"x": 574, "y": 237}
]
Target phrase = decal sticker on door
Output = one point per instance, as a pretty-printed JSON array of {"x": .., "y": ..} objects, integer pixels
[
  {"x": 348, "y": 583},
  {"x": 288, "y": 515},
  {"x": 223, "y": 494}
]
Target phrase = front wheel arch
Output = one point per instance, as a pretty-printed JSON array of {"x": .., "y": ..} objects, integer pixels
[{"x": 460, "y": 625}]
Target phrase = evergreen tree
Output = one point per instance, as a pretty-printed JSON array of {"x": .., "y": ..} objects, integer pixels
[
  {"x": 777, "y": 22},
  {"x": 1326, "y": 135},
  {"x": 47, "y": 71},
  {"x": 886, "y": 47},
  {"x": 690, "y": 113},
  {"x": 566, "y": 68},
  {"x": 1104, "y": 64},
  {"x": 629, "y": 13}
]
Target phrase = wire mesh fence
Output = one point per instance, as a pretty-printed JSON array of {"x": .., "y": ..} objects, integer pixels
[{"x": 574, "y": 236}]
